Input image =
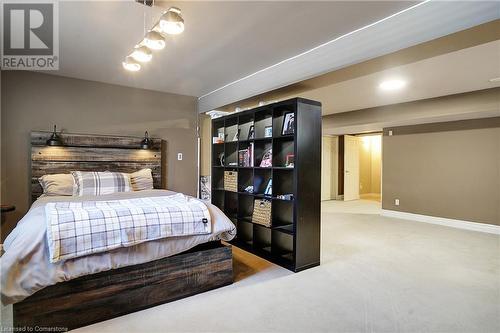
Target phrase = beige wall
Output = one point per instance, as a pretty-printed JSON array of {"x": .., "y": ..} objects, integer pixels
[
  {"x": 329, "y": 168},
  {"x": 370, "y": 164},
  {"x": 449, "y": 170},
  {"x": 35, "y": 101}
]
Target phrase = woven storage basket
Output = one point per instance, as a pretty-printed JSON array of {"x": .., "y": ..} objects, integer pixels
[
  {"x": 231, "y": 181},
  {"x": 262, "y": 212}
]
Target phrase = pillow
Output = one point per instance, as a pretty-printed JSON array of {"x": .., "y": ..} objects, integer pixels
[
  {"x": 141, "y": 180},
  {"x": 100, "y": 183},
  {"x": 58, "y": 184}
]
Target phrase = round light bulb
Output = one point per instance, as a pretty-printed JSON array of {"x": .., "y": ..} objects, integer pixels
[
  {"x": 142, "y": 54},
  {"x": 154, "y": 40},
  {"x": 171, "y": 22},
  {"x": 131, "y": 65}
]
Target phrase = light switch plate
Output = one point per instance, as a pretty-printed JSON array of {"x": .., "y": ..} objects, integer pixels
[
  {"x": 390, "y": 133},
  {"x": 396, "y": 202},
  {"x": 179, "y": 156}
]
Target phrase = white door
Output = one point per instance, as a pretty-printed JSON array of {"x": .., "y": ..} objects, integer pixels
[{"x": 351, "y": 167}]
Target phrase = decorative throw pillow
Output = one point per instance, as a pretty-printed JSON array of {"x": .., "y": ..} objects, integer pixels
[
  {"x": 101, "y": 183},
  {"x": 142, "y": 180},
  {"x": 58, "y": 184}
]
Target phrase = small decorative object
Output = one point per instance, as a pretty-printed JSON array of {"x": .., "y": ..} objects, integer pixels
[
  {"x": 236, "y": 135},
  {"x": 288, "y": 123},
  {"x": 55, "y": 139},
  {"x": 285, "y": 196},
  {"x": 222, "y": 159},
  {"x": 249, "y": 189},
  {"x": 205, "y": 187},
  {"x": 267, "y": 159},
  {"x": 220, "y": 134},
  {"x": 268, "y": 131},
  {"x": 262, "y": 212},
  {"x": 269, "y": 188},
  {"x": 290, "y": 159},
  {"x": 231, "y": 181},
  {"x": 251, "y": 132}
]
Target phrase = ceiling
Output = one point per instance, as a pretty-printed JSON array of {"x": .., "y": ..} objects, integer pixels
[
  {"x": 456, "y": 72},
  {"x": 223, "y": 41}
]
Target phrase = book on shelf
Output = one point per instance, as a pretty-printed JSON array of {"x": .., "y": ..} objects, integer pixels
[{"x": 244, "y": 157}]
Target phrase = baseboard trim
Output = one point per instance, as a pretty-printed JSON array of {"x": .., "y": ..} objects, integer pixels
[{"x": 460, "y": 224}]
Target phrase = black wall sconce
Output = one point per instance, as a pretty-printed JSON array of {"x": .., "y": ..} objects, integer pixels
[
  {"x": 55, "y": 139},
  {"x": 146, "y": 142}
]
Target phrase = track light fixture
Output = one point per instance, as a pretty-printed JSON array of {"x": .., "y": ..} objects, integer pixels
[
  {"x": 154, "y": 40},
  {"x": 131, "y": 64},
  {"x": 142, "y": 54},
  {"x": 171, "y": 23}
]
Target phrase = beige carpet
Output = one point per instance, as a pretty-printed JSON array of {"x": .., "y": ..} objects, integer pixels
[{"x": 377, "y": 274}]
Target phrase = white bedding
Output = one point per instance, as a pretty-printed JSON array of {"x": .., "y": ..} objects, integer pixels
[{"x": 25, "y": 266}]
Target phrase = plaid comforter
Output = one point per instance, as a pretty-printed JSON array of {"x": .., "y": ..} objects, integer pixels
[{"x": 76, "y": 229}]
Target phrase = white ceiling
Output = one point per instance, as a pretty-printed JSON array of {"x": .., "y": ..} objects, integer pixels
[
  {"x": 223, "y": 41},
  {"x": 456, "y": 72}
]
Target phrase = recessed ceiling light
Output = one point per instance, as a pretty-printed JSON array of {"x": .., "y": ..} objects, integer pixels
[
  {"x": 495, "y": 79},
  {"x": 390, "y": 85}
]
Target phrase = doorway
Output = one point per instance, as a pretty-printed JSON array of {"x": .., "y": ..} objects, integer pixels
[{"x": 361, "y": 173}]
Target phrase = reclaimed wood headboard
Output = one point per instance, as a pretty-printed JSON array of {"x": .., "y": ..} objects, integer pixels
[{"x": 88, "y": 152}]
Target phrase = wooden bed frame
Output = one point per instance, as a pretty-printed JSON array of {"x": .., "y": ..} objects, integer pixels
[{"x": 105, "y": 295}]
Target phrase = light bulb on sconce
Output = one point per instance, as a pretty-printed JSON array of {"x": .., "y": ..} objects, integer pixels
[
  {"x": 55, "y": 139},
  {"x": 146, "y": 142}
]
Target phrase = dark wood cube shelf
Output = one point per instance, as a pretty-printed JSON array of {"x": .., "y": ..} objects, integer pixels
[{"x": 293, "y": 239}]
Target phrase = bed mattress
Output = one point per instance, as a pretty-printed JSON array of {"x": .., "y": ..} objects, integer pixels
[{"x": 25, "y": 265}]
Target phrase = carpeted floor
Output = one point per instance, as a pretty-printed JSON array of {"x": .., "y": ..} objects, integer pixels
[{"x": 377, "y": 274}]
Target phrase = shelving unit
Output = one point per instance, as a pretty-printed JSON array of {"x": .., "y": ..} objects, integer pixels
[{"x": 293, "y": 239}]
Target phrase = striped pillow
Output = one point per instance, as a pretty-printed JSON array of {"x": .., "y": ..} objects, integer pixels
[
  {"x": 101, "y": 183},
  {"x": 142, "y": 180}
]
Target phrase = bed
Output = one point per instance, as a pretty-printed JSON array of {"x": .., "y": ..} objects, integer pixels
[{"x": 81, "y": 291}]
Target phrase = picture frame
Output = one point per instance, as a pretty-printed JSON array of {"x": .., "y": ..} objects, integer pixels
[
  {"x": 269, "y": 188},
  {"x": 290, "y": 160},
  {"x": 288, "y": 123},
  {"x": 268, "y": 131},
  {"x": 251, "y": 132},
  {"x": 267, "y": 159}
]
